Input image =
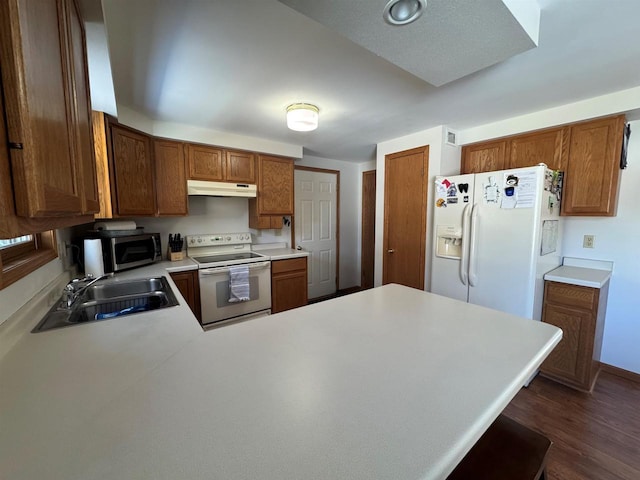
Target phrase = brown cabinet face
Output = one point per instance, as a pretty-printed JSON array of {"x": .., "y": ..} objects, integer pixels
[
  {"x": 592, "y": 173},
  {"x": 571, "y": 356},
  {"x": 484, "y": 157},
  {"x": 133, "y": 172},
  {"x": 534, "y": 148},
  {"x": 171, "y": 181},
  {"x": 189, "y": 286},
  {"x": 275, "y": 187},
  {"x": 82, "y": 111},
  {"x": 38, "y": 106},
  {"x": 288, "y": 284},
  {"x": 240, "y": 167},
  {"x": 579, "y": 311},
  {"x": 205, "y": 163}
]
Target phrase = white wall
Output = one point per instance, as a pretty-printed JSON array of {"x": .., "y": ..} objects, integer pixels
[
  {"x": 350, "y": 214},
  {"x": 213, "y": 215},
  {"x": 190, "y": 133},
  {"x": 616, "y": 237},
  {"x": 443, "y": 160}
]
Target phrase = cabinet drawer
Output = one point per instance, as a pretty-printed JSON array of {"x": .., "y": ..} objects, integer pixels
[
  {"x": 571, "y": 295},
  {"x": 289, "y": 265}
]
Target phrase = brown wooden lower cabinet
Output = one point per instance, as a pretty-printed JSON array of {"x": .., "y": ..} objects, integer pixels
[
  {"x": 189, "y": 286},
  {"x": 288, "y": 284},
  {"x": 579, "y": 311}
]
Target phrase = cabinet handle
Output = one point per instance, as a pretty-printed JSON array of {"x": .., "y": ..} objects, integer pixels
[
  {"x": 15, "y": 146},
  {"x": 391, "y": 250}
]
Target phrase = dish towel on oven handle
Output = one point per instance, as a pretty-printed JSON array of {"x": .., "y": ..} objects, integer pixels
[{"x": 239, "y": 284}]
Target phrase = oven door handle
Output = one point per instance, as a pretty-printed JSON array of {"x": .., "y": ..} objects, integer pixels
[{"x": 216, "y": 270}]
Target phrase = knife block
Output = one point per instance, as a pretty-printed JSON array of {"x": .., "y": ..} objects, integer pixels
[{"x": 174, "y": 256}]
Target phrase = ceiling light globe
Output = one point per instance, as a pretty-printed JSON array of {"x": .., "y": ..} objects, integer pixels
[{"x": 302, "y": 117}]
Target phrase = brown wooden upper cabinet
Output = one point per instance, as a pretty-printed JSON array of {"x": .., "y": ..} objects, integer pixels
[
  {"x": 275, "y": 192},
  {"x": 593, "y": 170},
  {"x": 587, "y": 152},
  {"x": 220, "y": 165},
  {"x": 46, "y": 92},
  {"x": 171, "y": 178},
  {"x": 484, "y": 157},
  {"x": 133, "y": 183},
  {"x": 539, "y": 147}
]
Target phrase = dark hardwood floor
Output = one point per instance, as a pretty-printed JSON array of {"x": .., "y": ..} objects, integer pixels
[{"x": 595, "y": 436}]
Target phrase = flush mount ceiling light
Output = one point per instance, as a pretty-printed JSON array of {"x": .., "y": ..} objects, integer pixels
[
  {"x": 302, "y": 117},
  {"x": 402, "y": 12}
]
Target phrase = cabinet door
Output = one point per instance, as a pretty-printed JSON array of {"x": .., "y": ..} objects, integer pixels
[
  {"x": 288, "y": 284},
  {"x": 484, "y": 157},
  {"x": 240, "y": 167},
  {"x": 592, "y": 173},
  {"x": 82, "y": 110},
  {"x": 133, "y": 172},
  {"x": 189, "y": 286},
  {"x": 275, "y": 186},
  {"x": 571, "y": 359},
  {"x": 205, "y": 163},
  {"x": 534, "y": 148},
  {"x": 171, "y": 180},
  {"x": 37, "y": 99}
]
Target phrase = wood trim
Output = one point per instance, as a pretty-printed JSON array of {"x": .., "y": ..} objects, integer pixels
[
  {"x": 293, "y": 225},
  {"x": 424, "y": 150},
  {"x": 19, "y": 267},
  {"x": 620, "y": 372},
  {"x": 364, "y": 201}
]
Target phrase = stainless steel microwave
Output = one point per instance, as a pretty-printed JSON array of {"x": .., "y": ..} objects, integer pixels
[{"x": 129, "y": 251}]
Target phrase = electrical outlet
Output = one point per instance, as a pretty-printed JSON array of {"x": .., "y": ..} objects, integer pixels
[{"x": 589, "y": 241}]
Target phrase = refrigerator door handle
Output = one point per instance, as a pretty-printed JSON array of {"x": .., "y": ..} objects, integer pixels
[
  {"x": 473, "y": 276},
  {"x": 464, "y": 259}
]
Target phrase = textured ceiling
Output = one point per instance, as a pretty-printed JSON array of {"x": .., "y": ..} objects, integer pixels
[
  {"x": 452, "y": 39},
  {"x": 234, "y": 66}
]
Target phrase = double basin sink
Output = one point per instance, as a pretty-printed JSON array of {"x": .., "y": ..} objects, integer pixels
[{"x": 108, "y": 299}]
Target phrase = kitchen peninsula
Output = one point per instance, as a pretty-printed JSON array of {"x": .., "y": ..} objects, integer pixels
[{"x": 391, "y": 382}]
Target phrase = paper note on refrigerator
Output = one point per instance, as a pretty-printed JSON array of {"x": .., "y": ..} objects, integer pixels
[{"x": 519, "y": 191}]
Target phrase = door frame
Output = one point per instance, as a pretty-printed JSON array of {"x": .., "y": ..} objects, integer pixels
[
  {"x": 372, "y": 205},
  {"x": 423, "y": 211},
  {"x": 293, "y": 217}
]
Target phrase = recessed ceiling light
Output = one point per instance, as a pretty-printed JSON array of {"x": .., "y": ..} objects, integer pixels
[
  {"x": 402, "y": 12},
  {"x": 302, "y": 117}
]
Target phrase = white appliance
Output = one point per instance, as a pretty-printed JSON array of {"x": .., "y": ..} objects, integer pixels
[
  {"x": 496, "y": 234},
  {"x": 215, "y": 253},
  {"x": 221, "y": 189}
]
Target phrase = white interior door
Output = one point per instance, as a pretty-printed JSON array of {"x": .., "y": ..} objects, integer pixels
[{"x": 316, "y": 213}]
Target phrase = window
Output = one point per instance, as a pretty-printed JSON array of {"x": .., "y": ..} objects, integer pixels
[{"x": 22, "y": 255}]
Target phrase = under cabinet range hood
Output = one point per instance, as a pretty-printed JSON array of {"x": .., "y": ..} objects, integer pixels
[{"x": 220, "y": 189}]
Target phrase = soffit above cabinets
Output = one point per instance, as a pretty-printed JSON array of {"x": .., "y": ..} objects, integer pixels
[{"x": 452, "y": 39}]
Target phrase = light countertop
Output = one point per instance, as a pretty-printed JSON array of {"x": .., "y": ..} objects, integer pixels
[
  {"x": 279, "y": 251},
  {"x": 387, "y": 383},
  {"x": 582, "y": 272}
]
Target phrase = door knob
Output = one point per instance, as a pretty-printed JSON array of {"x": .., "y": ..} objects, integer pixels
[{"x": 391, "y": 250}]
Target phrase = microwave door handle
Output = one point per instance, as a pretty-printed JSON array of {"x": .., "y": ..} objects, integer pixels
[{"x": 155, "y": 247}]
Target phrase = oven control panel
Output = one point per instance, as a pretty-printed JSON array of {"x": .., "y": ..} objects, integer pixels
[{"x": 208, "y": 240}]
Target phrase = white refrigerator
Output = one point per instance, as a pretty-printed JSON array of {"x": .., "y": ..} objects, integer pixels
[{"x": 495, "y": 235}]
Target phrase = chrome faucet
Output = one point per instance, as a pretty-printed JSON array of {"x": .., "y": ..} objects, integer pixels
[{"x": 72, "y": 292}]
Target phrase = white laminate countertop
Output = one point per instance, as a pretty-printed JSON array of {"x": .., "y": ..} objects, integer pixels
[
  {"x": 279, "y": 251},
  {"x": 387, "y": 383},
  {"x": 582, "y": 272}
]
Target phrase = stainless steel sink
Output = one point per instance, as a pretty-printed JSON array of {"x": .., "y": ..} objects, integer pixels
[{"x": 111, "y": 299}]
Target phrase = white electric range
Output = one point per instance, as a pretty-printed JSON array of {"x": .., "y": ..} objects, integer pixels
[{"x": 215, "y": 254}]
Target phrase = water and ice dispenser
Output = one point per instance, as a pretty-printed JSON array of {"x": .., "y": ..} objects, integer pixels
[{"x": 448, "y": 241}]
